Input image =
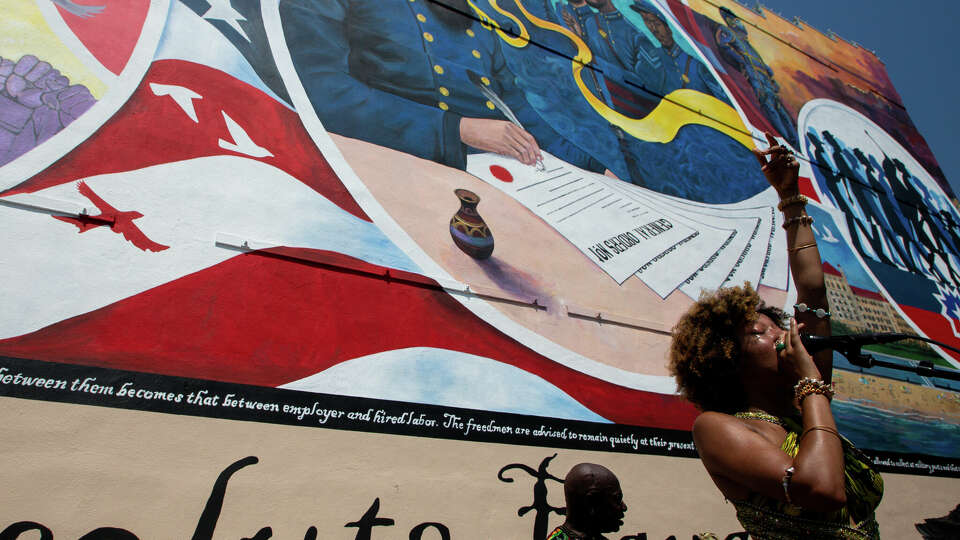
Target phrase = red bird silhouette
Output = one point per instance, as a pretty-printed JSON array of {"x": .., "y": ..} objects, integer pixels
[{"x": 120, "y": 222}]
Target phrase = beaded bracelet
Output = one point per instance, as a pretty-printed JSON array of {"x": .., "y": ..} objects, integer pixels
[
  {"x": 795, "y": 249},
  {"x": 810, "y": 390},
  {"x": 802, "y": 220},
  {"x": 807, "y": 386},
  {"x": 790, "y": 201},
  {"x": 819, "y": 312}
]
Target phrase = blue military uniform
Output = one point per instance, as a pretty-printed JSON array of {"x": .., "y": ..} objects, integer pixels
[
  {"x": 681, "y": 69},
  {"x": 549, "y": 87},
  {"x": 391, "y": 73},
  {"x": 677, "y": 168},
  {"x": 736, "y": 49},
  {"x": 625, "y": 51},
  {"x": 685, "y": 71},
  {"x": 584, "y": 16}
]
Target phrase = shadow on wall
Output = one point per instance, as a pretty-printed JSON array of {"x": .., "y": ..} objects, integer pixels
[{"x": 941, "y": 528}]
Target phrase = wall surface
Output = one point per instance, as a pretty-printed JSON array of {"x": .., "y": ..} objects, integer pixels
[{"x": 291, "y": 268}]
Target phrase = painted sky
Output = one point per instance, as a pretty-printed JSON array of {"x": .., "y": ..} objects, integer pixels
[
  {"x": 835, "y": 250},
  {"x": 915, "y": 43}
]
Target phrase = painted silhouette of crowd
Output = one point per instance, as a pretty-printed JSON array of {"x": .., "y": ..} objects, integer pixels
[{"x": 893, "y": 217}]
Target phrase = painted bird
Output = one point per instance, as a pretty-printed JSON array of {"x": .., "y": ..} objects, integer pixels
[{"x": 120, "y": 222}]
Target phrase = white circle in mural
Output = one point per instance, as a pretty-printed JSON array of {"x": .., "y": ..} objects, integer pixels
[
  {"x": 857, "y": 131},
  {"x": 900, "y": 220}
]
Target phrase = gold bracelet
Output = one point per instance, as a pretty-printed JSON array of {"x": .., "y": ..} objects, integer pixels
[
  {"x": 802, "y": 246},
  {"x": 790, "y": 201},
  {"x": 810, "y": 390},
  {"x": 819, "y": 428},
  {"x": 802, "y": 220},
  {"x": 807, "y": 386}
]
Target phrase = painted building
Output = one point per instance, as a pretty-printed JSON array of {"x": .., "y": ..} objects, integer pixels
[
  {"x": 877, "y": 313},
  {"x": 389, "y": 268},
  {"x": 844, "y": 306},
  {"x": 860, "y": 309}
]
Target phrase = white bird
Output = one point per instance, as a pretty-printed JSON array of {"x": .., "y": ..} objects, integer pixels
[
  {"x": 242, "y": 142},
  {"x": 181, "y": 95},
  {"x": 828, "y": 236}
]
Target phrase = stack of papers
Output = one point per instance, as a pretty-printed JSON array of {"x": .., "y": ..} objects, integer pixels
[{"x": 667, "y": 242}]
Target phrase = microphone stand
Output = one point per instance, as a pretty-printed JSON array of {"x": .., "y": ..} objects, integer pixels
[{"x": 925, "y": 368}]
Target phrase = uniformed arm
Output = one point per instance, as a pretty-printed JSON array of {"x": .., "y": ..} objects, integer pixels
[
  {"x": 649, "y": 61},
  {"x": 774, "y": 86},
  {"x": 545, "y": 136},
  {"x": 766, "y": 67},
  {"x": 316, "y": 34},
  {"x": 710, "y": 82},
  {"x": 735, "y": 454},
  {"x": 781, "y": 170},
  {"x": 570, "y": 21},
  {"x": 638, "y": 56},
  {"x": 724, "y": 38}
]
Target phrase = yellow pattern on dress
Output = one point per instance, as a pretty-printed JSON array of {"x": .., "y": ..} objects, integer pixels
[{"x": 771, "y": 519}]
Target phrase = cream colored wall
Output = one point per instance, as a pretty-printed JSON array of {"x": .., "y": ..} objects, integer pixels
[{"x": 76, "y": 468}]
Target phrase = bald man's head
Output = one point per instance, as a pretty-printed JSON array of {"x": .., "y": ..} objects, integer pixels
[{"x": 594, "y": 499}]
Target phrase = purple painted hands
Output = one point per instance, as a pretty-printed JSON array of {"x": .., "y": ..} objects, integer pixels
[{"x": 36, "y": 101}]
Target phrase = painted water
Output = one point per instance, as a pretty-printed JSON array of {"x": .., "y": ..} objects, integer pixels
[{"x": 877, "y": 429}]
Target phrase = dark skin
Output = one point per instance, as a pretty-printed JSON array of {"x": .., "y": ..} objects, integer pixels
[
  {"x": 594, "y": 501},
  {"x": 604, "y": 6},
  {"x": 659, "y": 29},
  {"x": 768, "y": 376}
]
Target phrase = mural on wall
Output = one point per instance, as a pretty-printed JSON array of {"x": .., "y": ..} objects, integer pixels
[
  {"x": 901, "y": 222},
  {"x": 464, "y": 219},
  {"x": 805, "y": 64},
  {"x": 614, "y": 57}
]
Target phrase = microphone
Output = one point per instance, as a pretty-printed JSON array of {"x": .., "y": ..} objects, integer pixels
[{"x": 842, "y": 343}]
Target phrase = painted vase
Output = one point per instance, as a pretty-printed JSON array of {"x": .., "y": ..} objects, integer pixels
[{"x": 470, "y": 233}]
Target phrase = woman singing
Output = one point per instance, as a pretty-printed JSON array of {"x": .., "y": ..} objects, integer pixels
[{"x": 767, "y": 436}]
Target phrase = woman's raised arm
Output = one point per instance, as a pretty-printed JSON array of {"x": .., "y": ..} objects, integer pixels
[{"x": 781, "y": 168}]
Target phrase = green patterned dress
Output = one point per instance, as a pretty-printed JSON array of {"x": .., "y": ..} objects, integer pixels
[
  {"x": 561, "y": 533},
  {"x": 766, "y": 518}
]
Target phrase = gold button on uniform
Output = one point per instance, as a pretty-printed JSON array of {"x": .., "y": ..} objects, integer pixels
[
  {"x": 491, "y": 106},
  {"x": 470, "y": 32},
  {"x": 421, "y": 18},
  {"x": 443, "y": 106},
  {"x": 485, "y": 81},
  {"x": 476, "y": 53},
  {"x": 438, "y": 69},
  {"x": 443, "y": 90},
  {"x": 428, "y": 36}
]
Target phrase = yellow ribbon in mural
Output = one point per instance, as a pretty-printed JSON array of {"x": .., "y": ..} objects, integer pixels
[
  {"x": 515, "y": 41},
  {"x": 678, "y": 108}
]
